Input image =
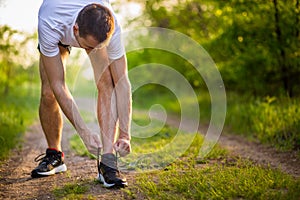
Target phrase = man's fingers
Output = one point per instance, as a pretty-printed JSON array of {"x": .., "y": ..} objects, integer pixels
[
  {"x": 93, "y": 142},
  {"x": 123, "y": 147},
  {"x": 128, "y": 148}
]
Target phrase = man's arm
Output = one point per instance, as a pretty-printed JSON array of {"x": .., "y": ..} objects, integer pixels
[
  {"x": 56, "y": 76},
  {"x": 119, "y": 73}
]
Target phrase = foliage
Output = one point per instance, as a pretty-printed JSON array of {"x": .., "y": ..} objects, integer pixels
[
  {"x": 18, "y": 89},
  {"x": 16, "y": 62},
  {"x": 148, "y": 56},
  {"x": 254, "y": 43},
  {"x": 272, "y": 120},
  {"x": 11, "y": 127},
  {"x": 17, "y": 111},
  {"x": 260, "y": 47}
]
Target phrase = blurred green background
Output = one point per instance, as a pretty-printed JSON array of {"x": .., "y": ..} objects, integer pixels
[{"x": 255, "y": 45}]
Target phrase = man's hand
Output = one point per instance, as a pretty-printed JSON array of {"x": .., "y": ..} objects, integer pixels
[
  {"x": 91, "y": 141},
  {"x": 123, "y": 147}
]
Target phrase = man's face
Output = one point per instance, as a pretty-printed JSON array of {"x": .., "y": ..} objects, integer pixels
[{"x": 88, "y": 43}]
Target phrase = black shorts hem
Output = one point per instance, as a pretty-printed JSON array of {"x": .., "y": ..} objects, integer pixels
[{"x": 67, "y": 47}]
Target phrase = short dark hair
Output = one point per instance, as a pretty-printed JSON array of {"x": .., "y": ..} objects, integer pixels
[{"x": 95, "y": 20}]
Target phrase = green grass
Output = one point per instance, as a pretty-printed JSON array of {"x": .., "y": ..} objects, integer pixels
[
  {"x": 271, "y": 120},
  {"x": 72, "y": 191},
  {"x": 218, "y": 176},
  {"x": 155, "y": 146},
  {"x": 274, "y": 121},
  {"x": 79, "y": 148},
  {"x": 17, "y": 111},
  {"x": 179, "y": 173},
  {"x": 241, "y": 180}
]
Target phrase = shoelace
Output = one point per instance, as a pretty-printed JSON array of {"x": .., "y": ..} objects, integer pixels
[
  {"x": 46, "y": 158},
  {"x": 98, "y": 160},
  {"x": 39, "y": 157}
]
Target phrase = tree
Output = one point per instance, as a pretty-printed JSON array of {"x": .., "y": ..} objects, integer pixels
[
  {"x": 14, "y": 57},
  {"x": 256, "y": 44},
  {"x": 288, "y": 40}
]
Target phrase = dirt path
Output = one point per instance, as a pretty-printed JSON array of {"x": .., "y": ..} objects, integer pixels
[
  {"x": 16, "y": 183},
  {"x": 15, "y": 180}
]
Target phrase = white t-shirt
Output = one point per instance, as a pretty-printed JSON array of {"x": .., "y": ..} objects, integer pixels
[{"x": 56, "y": 21}]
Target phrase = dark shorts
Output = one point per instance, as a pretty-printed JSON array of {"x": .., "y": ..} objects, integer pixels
[{"x": 67, "y": 47}]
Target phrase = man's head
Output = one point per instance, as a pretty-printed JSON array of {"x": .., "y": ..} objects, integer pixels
[{"x": 94, "y": 25}]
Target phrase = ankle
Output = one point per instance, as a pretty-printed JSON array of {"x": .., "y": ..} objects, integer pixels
[
  {"x": 54, "y": 149},
  {"x": 109, "y": 159},
  {"x": 57, "y": 150}
]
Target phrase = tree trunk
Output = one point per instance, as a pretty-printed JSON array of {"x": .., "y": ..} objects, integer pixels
[
  {"x": 284, "y": 76},
  {"x": 297, "y": 9}
]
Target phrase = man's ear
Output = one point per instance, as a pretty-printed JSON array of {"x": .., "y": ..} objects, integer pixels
[{"x": 75, "y": 28}]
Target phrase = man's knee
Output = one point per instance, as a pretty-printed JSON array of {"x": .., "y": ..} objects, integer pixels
[{"x": 47, "y": 96}]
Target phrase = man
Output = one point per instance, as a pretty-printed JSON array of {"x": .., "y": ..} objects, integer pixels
[{"x": 90, "y": 25}]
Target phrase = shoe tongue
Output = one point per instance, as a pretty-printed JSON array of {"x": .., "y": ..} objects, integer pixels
[
  {"x": 51, "y": 151},
  {"x": 109, "y": 160}
]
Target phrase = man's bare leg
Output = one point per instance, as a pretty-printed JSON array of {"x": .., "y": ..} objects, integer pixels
[
  {"x": 109, "y": 174},
  {"x": 106, "y": 76},
  {"x": 52, "y": 123},
  {"x": 49, "y": 110},
  {"x": 107, "y": 110}
]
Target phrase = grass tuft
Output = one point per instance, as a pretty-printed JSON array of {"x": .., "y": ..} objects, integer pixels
[
  {"x": 78, "y": 146},
  {"x": 17, "y": 111},
  {"x": 71, "y": 191}
]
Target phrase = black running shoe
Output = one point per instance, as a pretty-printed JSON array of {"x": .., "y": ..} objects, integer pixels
[
  {"x": 109, "y": 175},
  {"x": 50, "y": 164}
]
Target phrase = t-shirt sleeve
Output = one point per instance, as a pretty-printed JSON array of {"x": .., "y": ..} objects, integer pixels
[
  {"x": 48, "y": 39},
  {"x": 116, "y": 49}
]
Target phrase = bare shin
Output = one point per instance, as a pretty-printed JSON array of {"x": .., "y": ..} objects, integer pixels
[
  {"x": 51, "y": 120},
  {"x": 107, "y": 111}
]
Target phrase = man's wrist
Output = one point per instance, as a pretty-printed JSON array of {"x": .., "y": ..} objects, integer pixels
[{"x": 124, "y": 136}]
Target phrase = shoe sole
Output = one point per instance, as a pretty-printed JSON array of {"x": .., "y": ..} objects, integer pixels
[
  {"x": 109, "y": 185},
  {"x": 59, "y": 169}
]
